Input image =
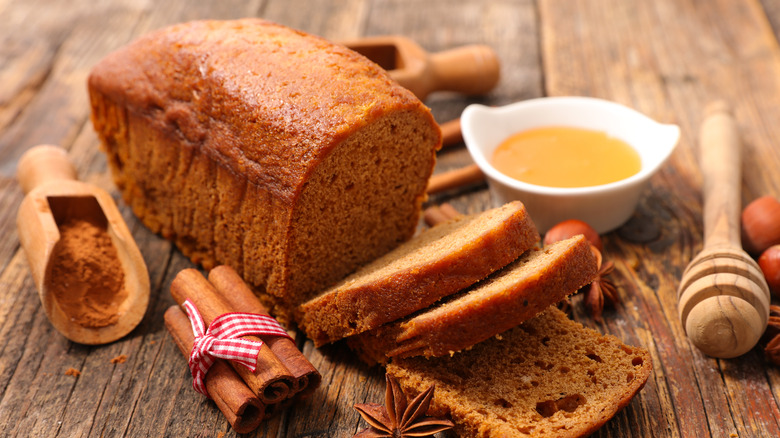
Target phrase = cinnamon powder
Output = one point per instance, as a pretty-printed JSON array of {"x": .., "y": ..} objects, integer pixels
[{"x": 87, "y": 276}]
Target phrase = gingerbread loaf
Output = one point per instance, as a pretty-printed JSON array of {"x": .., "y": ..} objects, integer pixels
[
  {"x": 438, "y": 262},
  {"x": 549, "y": 377},
  {"x": 508, "y": 297},
  {"x": 289, "y": 158}
]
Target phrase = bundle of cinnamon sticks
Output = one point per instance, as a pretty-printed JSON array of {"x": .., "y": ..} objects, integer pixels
[{"x": 283, "y": 374}]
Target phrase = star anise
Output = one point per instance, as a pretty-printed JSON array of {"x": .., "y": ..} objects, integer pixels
[
  {"x": 601, "y": 291},
  {"x": 397, "y": 419},
  {"x": 772, "y": 348}
]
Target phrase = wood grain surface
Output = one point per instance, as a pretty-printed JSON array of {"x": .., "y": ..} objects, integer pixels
[{"x": 665, "y": 58}]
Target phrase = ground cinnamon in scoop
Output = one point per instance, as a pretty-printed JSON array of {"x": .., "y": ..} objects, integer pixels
[{"x": 87, "y": 277}]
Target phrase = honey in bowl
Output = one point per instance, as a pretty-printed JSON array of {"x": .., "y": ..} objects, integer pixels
[{"x": 558, "y": 156}]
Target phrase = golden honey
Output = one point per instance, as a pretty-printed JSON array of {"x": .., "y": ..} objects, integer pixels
[{"x": 558, "y": 156}]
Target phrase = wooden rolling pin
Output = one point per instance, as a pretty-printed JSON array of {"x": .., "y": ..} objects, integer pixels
[
  {"x": 472, "y": 69},
  {"x": 723, "y": 299}
]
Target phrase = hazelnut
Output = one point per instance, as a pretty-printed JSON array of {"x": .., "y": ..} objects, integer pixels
[
  {"x": 761, "y": 225},
  {"x": 570, "y": 228},
  {"x": 769, "y": 261}
]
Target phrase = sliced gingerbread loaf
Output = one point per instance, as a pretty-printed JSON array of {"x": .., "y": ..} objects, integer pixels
[
  {"x": 516, "y": 293},
  {"x": 438, "y": 262},
  {"x": 292, "y": 159},
  {"x": 549, "y": 377}
]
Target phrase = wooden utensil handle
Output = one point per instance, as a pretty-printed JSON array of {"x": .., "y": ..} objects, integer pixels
[
  {"x": 44, "y": 163},
  {"x": 721, "y": 167},
  {"x": 470, "y": 69}
]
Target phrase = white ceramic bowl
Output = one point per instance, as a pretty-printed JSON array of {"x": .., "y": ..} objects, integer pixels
[{"x": 605, "y": 207}]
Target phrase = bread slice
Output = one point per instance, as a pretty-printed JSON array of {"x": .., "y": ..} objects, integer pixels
[
  {"x": 549, "y": 377},
  {"x": 516, "y": 293},
  {"x": 438, "y": 262}
]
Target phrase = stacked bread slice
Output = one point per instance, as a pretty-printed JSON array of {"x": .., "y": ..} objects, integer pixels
[
  {"x": 548, "y": 377},
  {"x": 509, "y": 296},
  {"x": 434, "y": 264},
  {"x": 468, "y": 306}
]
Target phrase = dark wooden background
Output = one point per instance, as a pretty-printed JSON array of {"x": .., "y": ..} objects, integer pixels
[{"x": 666, "y": 58}]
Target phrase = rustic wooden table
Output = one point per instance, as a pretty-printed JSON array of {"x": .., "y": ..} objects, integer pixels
[{"x": 666, "y": 58}]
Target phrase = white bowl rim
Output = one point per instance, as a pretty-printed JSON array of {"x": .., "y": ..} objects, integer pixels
[{"x": 478, "y": 154}]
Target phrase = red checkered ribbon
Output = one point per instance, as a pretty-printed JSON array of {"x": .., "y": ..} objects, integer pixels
[{"x": 222, "y": 339}]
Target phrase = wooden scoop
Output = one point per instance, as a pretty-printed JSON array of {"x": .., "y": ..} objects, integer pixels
[
  {"x": 723, "y": 297},
  {"x": 472, "y": 69},
  {"x": 55, "y": 197}
]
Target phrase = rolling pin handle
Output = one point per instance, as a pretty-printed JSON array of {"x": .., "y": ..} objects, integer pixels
[{"x": 42, "y": 164}]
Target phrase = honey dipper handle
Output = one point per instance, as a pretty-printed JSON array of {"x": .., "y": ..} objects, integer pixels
[
  {"x": 44, "y": 163},
  {"x": 470, "y": 69},
  {"x": 721, "y": 164}
]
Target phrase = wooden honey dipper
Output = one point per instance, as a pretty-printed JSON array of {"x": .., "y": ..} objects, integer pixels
[{"x": 723, "y": 299}]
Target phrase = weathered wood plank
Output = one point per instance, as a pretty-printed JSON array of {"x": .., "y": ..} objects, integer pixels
[
  {"x": 79, "y": 34},
  {"x": 60, "y": 101},
  {"x": 107, "y": 399},
  {"x": 343, "y": 20},
  {"x": 668, "y": 59},
  {"x": 10, "y": 198}
]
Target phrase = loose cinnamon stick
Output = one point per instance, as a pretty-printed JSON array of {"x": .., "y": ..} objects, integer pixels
[
  {"x": 437, "y": 214},
  {"x": 271, "y": 381},
  {"x": 470, "y": 174},
  {"x": 235, "y": 292},
  {"x": 238, "y": 403},
  {"x": 434, "y": 216},
  {"x": 450, "y": 133},
  {"x": 449, "y": 211}
]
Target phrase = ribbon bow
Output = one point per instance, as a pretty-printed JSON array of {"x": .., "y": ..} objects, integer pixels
[{"x": 222, "y": 339}]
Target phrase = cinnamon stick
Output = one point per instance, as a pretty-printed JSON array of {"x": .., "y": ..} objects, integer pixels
[
  {"x": 271, "y": 381},
  {"x": 451, "y": 133},
  {"x": 238, "y": 403},
  {"x": 437, "y": 214},
  {"x": 240, "y": 298},
  {"x": 434, "y": 216},
  {"x": 449, "y": 211},
  {"x": 440, "y": 182}
]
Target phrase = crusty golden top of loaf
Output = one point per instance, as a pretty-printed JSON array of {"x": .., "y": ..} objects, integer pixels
[{"x": 286, "y": 126}]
